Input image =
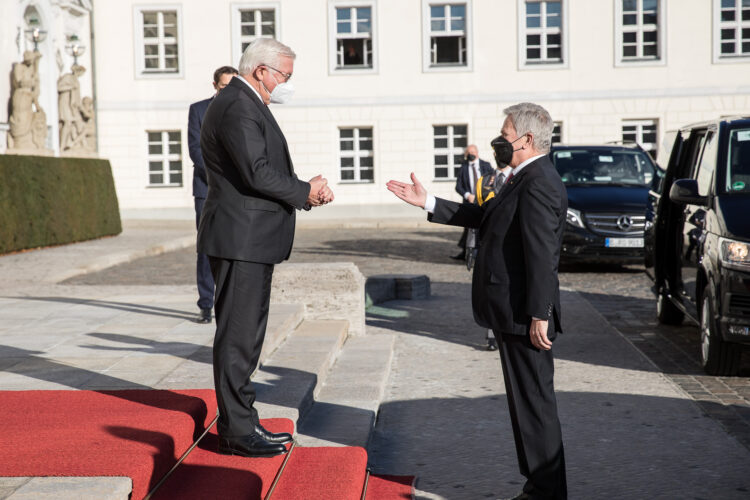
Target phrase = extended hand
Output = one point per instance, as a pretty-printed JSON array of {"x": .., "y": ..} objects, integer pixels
[
  {"x": 413, "y": 194},
  {"x": 538, "y": 334},
  {"x": 317, "y": 185}
]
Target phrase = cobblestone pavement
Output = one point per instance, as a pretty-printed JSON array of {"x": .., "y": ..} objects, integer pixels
[{"x": 620, "y": 294}]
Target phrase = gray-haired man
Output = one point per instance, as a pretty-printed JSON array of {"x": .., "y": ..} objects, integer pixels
[
  {"x": 515, "y": 290},
  {"x": 246, "y": 227}
]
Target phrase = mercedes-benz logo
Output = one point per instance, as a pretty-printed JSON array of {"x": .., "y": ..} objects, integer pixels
[{"x": 624, "y": 222}]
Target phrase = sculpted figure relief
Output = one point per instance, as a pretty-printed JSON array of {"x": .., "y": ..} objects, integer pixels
[
  {"x": 73, "y": 117},
  {"x": 28, "y": 122}
]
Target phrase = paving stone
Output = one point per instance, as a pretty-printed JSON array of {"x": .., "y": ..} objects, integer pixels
[{"x": 74, "y": 488}]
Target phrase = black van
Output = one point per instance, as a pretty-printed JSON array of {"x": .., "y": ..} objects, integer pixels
[
  {"x": 607, "y": 189},
  {"x": 698, "y": 238}
]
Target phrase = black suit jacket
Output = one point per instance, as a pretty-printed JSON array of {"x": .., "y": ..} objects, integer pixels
[
  {"x": 195, "y": 119},
  {"x": 520, "y": 234},
  {"x": 463, "y": 181},
  {"x": 253, "y": 191}
]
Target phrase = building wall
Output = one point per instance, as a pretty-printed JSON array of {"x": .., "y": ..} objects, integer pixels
[{"x": 591, "y": 93}]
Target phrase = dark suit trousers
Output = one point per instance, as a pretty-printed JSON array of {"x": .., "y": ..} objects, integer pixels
[
  {"x": 528, "y": 373},
  {"x": 243, "y": 292},
  {"x": 203, "y": 268}
]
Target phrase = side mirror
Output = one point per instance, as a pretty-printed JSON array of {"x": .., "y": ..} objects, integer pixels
[{"x": 686, "y": 191}]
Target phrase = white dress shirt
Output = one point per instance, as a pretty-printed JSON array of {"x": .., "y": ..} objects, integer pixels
[{"x": 477, "y": 174}]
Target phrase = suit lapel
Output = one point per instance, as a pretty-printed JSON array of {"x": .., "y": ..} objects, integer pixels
[{"x": 268, "y": 115}]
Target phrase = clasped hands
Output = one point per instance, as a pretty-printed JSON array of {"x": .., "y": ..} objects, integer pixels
[{"x": 320, "y": 193}]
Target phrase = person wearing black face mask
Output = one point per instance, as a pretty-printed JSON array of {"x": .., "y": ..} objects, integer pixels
[
  {"x": 471, "y": 170},
  {"x": 515, "y": 289}
]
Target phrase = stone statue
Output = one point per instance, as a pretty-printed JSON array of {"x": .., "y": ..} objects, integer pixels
[
  {"x": 89, "y": 127},
  {"x": 69, "y": 107},
  {"x": 28, "y": 122},
  {"x": 77, "y": 126}
]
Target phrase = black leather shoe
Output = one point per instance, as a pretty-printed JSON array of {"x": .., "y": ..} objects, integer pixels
[
  {"x": 279, "y": 438},
  {"x": 205, "y": 316},
  {"x": 491, "y": 345},
  {"x": 461, "y": 256},
  {"x": 250, "y": 446}
]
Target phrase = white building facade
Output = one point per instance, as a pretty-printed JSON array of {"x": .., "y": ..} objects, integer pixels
[{"x": 389, "y": 87}]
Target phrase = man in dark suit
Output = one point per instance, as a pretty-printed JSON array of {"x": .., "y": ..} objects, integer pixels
[
  {"x": 471, "y": 170},
  {"x": 515, "y": 288},
  {"x": 205, "y": 281},
  {"x": 246, "y": 227}
]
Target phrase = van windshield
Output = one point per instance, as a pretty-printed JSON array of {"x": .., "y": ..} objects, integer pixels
[
  {"x": 602, "y": 167},
  {"x": 738, "y": 161}
]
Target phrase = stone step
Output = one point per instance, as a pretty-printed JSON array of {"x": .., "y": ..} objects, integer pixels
[
  {"x": 345, "y": 410},
  {"x": 65, "y": 488},
  {"x": 290, "y": 379}
]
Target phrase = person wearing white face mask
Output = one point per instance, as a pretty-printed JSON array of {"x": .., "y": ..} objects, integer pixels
[{"x": 246, "y": 227}]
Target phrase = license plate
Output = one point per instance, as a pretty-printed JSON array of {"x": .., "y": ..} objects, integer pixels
[{"x": 623, "y": 242}]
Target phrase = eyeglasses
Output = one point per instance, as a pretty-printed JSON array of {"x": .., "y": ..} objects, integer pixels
[{"x": 287, "y": 76}]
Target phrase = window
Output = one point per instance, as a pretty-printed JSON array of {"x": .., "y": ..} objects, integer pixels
[
  {"x": 542, "y": 33},
  {"x": 251, "y": 21},
  {"x": 355, "y": 146},
  {"x": 557, "y": 133},
  {"x": 707, "y": 164},
  {"x": 731, "y": 29},
  {"x": 638, "y": 24},
  {"x": 641, "y": 132},
  {"x": 164, "y": 158},
  {"x": 447, "y": 35},
  {"x": 351, "y": 43},
  {"x": 450, "y": 141},
  {"x": 157, "y": 37}
]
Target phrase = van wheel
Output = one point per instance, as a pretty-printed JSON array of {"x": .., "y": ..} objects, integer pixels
[
  {"x": 717, "y": 356},
  {"x": 667, "y": 312}
]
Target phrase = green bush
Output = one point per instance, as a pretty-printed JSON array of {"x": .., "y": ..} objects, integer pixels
[{"x": 51, "y": 201}]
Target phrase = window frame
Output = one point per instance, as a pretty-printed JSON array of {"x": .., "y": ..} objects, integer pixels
[
  {"x": 356, "y": 168},
  {"x": 523, "y": 63},
  {"x": 451, "y": 151},
  {"x": 236, "y": 19},
  {"x": 427, "y": 66},
  {"x": 139, "y": 42},
  {"x": 661, "y": 33},
  {"x": 561, "y": 133},
  {"x": 164, "y": 157},
  {"x": 333, "y": 68},
  {"x": 718, "y": 58},
  {"x": 639, "y": 123}
]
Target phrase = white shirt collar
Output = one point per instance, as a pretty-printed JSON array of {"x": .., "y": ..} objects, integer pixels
[
  {"x": 516, "y": 170},
  {"x": 253, "y": 88}
]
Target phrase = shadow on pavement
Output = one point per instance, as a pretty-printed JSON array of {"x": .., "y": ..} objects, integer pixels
[
  {"x": 426, "y": 250},
  {"x": 617, "y": 446},
  {"x": 186, "y": 350},
  {"x": 122, "y": 306}
]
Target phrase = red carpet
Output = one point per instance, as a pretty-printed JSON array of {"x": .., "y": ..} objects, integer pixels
[
  {"x": 390, "y": 488},
  {"x": 323, "y": 473},
  {"x": 142, "y": 434},
  {"x": 136, "y": 433},
  {"x": 205, "y": 474}
]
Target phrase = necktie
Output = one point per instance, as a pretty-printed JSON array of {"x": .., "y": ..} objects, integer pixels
[
  {"x": 509, "y": 178},
  {"x": 473, "y": 178},
  {"x": 499, "y": 181}
]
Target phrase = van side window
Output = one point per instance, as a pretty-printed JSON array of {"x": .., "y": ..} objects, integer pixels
[
  {"x": 707, "y": 164},
  {"x": 738, "y": 161},
  {"x": 692, "y": 154}
]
